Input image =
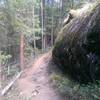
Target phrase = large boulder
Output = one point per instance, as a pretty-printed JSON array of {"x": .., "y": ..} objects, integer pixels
[{"x": 77, "y": 48}]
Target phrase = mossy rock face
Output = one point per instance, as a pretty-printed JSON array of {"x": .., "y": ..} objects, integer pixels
[{"x": 77, "y": 48}]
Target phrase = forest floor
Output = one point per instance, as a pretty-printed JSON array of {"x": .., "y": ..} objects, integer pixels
[{"x": 34, "y": 83}]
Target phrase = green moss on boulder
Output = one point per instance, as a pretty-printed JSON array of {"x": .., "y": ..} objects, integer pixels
[{"x": 77, "y": 48}]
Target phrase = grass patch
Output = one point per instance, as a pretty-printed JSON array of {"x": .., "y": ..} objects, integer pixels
[{"x": 74, "y": 90}]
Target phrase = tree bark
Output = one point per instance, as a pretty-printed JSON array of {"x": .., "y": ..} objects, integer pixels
[
  {"x": 33, "y": 23},
  {"x": 52, "y": 27},
  {"x": 42, "y": 26}
]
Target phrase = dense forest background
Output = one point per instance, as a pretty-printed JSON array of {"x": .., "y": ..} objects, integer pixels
[
  {"x": 39, "y": 22},
  {"x": 32, "y": 17},
  {"x": 29, "y": 28}
]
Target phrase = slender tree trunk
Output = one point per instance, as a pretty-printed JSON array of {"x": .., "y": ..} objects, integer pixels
[
  {"x": 52, "y": 27},
  {"x": 42, "y": 27},
  {"x": 61, "y": 12},
  {"x": 72, "y": 4},
  {"x": 44, "y": 24},
  {"x": 33, "y": 23},
  {"x": 22, "y": 51}
]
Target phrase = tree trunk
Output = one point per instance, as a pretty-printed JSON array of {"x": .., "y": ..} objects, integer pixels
[
  {"x": 52, "y": 27},
  {"x": 33, "y": 23},
  {"x": 42, "y": 26}
]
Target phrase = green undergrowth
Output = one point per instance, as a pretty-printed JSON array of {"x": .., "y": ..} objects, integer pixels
[{"x": 74, "y": 90}]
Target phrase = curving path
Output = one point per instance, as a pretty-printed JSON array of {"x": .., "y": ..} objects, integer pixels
[{"x": 34, "y": 83}]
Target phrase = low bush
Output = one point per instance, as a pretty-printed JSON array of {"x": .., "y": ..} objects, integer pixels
[{"x": 74, "y": 90}]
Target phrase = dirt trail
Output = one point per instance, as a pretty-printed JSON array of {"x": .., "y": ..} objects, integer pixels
[{"x": 34, "y": 83}]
